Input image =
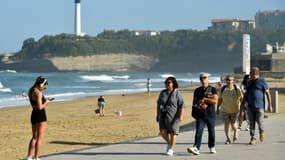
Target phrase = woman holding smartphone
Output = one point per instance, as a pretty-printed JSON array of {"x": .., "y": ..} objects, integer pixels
[{"x": 38, "y": 116}]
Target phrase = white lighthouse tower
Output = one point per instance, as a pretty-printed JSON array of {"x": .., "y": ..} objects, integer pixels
[{"x": 77, "y": 18}]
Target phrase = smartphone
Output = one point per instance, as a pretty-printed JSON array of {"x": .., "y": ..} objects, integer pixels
[{"x": 51, "y": 99}]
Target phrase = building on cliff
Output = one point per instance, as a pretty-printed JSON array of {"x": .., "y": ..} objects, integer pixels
[
  {"x": 232, "y": 24},
  {"x": 273, "y": 60},
  {"x": 270, "y": 19}
]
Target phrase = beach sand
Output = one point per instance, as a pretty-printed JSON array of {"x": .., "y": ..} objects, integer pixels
[{"x": 74, "y": 125}]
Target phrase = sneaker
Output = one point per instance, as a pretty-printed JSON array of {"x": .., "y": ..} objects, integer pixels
[
  {"x": 247, "y": 128},
  {"x": 239, "y": 128},
  {"x": 213, "y": 150},
  {"x": 193, "y": 150},
  {"x": 228, "y": 141},
  {"x": 262, "y": 136},
  {"x": 169, "y": 152},
  {"x": 252, "y": 141},
  {"x": 29, "y": 158},
  {"x": 167, "y": 147}
]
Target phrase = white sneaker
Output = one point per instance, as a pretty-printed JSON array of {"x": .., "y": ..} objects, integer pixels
[
  {"x": 193, "y": 150},
  {"x": 169, "y": 152},
  {"x": 213, "y": 150},
  {"x": 29, "y": 158}
]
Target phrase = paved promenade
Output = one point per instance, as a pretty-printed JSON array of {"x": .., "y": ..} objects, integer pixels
[{"x": 154, "y": 148}]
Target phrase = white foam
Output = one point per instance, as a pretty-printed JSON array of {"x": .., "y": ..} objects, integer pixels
[
  {"x": 3, "y": 89},
  {"x": 7, "y": 90},
  {"x": 9, "y": 71},
  {"x": 166, "y": 75},
  {"x": 122, "y": 77},
  {"x": 98, "y": 78}
]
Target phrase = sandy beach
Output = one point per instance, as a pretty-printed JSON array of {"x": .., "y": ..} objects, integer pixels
[{"x": 74, "y": 125}]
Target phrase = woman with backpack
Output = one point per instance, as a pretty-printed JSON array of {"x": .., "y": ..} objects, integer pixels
[{"x": 230, "y": 98}]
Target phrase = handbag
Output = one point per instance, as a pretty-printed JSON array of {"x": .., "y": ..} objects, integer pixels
[
  {"x": 198, "y": 112},
  {"x": 162, "y": 111},
  {"x": 97, "y": 110}
]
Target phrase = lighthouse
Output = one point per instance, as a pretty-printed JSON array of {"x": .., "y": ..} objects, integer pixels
[{"x": 77, "y": 19}]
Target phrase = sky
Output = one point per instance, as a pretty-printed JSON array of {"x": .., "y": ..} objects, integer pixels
[{"x": 23, "y": 19}]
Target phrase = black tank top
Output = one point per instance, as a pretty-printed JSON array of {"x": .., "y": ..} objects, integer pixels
[{"x": 33, "y": 102}]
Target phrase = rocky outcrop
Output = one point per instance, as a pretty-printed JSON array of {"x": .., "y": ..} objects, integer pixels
[{"x": 106, "y": 62}]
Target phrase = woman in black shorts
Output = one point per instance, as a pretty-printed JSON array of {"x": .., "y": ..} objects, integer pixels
[{"x": 38, "y": 116}]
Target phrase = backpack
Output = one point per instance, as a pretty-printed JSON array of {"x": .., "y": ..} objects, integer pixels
[{"x": 224, "y": 86}]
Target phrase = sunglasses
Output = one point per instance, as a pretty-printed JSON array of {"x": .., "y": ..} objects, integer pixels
[
  {"x": 201, "y": 78},
  {"x": 229, "y": 79},
  {"x": 168, "y": 82}
]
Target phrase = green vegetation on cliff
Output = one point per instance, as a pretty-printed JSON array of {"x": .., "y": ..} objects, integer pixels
[{"x": 181, "y": 50}]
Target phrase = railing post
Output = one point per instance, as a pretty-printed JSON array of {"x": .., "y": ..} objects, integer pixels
[{"x": 274, "y": 97}]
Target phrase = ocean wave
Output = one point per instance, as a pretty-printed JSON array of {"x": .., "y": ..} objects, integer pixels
[
  {"x": 67, "y": 94},
  {"x": 8, "y": 71},
  {"x": 166, "y": 75},
  {"x": 98, "y": 78},
  {"x": 3, "y": 89},
  {"x": 104, "y": 77},
  {"x": 6, "y": 90},
  {"x": 122, "y": 77}
]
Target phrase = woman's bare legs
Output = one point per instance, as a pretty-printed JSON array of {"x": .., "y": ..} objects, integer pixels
[
  {"x": 37, "y": 139},
  {"x": 172, "y": 140},
  {"x": 33, "y": 140},
  {"x": 165, "y": 135}
]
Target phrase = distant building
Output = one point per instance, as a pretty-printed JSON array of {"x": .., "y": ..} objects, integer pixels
[
  {"x": 232, "y": 24},
  {"x": 272, "y": 60},
  {"x": 146, "y": 32},
  {"x": 270, "y": 19}
]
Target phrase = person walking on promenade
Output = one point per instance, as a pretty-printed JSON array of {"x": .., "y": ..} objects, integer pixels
[
  {"x": 170, "y": 110},
  {"x": 38, "y": 116},
  {"x": 255, "y": 93},
  {"x": 243, "y": 113},
  {"x": 230, "y": 98},
  {"x": 101, "y": 105},
  {"x": 205, "y": 97}
]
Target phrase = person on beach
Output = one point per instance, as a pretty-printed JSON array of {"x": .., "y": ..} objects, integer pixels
[
  {"x": 170, "y": 110},
  {"x": 38, "y": 116},
  {"x": 24, "y": 95},
  {"x": 101, "y": 105},
  {"x": 255, "y": 92},
  {"x": 243, "y": 113},
  {"x": 148, "y": 85},
  {"x": 205, "y": 98},
  {"x": 230, "y": 98}
]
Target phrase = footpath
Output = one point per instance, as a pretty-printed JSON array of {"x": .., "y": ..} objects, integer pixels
[{"x": 154, "y": 148}]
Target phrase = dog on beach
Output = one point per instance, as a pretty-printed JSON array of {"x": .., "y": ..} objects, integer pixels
[{"x": 118, "y": 113}]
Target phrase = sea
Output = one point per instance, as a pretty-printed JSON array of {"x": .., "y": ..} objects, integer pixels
[{"x": 64, "y": 86}]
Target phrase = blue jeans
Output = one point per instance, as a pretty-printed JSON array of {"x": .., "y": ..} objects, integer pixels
[{"x": 200, "y": 125}]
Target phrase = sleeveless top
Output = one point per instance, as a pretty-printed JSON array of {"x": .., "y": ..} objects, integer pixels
[{"x": 37, "y": 115}]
